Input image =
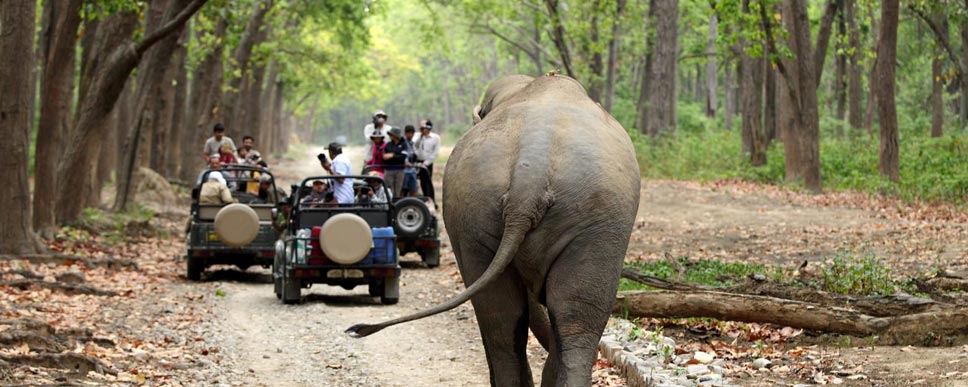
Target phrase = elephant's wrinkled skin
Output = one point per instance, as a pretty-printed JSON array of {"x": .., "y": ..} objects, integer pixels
[{"x": 540, "y": 197}]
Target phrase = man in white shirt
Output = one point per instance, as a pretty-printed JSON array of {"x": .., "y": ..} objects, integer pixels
[
  {"x": 379, "y": 124},
  {"x": 340, "y": 165},
  {"x": 427, "y": 147},
  {"x": 217, "y": 141}
]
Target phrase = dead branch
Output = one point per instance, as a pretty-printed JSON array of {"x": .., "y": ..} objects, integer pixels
[
  {"x": 68, "y": 288},
  {"x": 65, "y": 259}
]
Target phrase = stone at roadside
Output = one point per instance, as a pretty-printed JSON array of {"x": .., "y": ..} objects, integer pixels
[
  {"x": 761, "y": 363},
  {"x": 703, "y": 357}
]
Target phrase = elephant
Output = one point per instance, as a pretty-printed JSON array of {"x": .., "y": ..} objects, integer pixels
[{"x": 540, "y": 197}]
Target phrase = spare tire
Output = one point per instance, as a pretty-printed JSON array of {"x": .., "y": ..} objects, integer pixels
[
  {"x": 346, "y": 238},
  {"x": 411, "y": 217},
  {"x": 236, "y": 225}
]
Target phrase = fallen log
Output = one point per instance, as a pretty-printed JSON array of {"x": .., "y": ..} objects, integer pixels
[
  {"x": 878, "y": 306},
  {"x": 33, "y": 340},
  {"x": 66, "y": 259},
  {"x": 915, "y": 328}
]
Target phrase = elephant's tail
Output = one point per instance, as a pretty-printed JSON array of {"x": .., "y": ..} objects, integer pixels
[{"x": 514, "y": 233}]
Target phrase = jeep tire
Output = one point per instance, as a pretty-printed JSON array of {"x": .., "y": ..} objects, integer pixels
[{"x": 194, "y": 267}]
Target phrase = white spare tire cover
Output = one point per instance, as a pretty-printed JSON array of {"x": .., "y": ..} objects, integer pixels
[
  {"x": 236, "y": 225},
  {"x": 346, "y": 238}
]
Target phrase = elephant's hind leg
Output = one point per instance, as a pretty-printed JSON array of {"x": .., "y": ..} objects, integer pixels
[
  {"x": 502, "y": 315},
  {"x": 580, "y": 290}
]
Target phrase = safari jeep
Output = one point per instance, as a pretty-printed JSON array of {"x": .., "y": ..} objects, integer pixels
[
  {"x": 344, "y": 245},
  {"x": 240, "y": 234}
]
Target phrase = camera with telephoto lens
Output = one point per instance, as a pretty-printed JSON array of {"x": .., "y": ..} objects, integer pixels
[{"x": 322, "y": 158}]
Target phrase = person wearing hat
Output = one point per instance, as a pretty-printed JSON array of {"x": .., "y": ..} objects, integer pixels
[
  {"x": 340, "y": 165},
  {"x": 394, "y": 161},
  {"x": 215, "y": 143},
  {"x": 317, "y": 196},
  {"x": 376, "y": 194},
  {"x": 266, "y": 192},
  {"x": 380, "y": 125},
  {"x": 215, "y": 191},
  {"x": 427, "y": 147}
]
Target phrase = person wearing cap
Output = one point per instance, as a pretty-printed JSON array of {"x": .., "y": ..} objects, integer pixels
[
  {"x": 409, "y": 172},
  {"x": 427, "y": 147},
  {"x": 317, "y": 196},
  {"x": 379, "y": 124},
  {"x": 394, "y": 161},
  {"x": 215, "y": 191},
  {"x": 340, "y": 165},
  {"x": 215, "y": 143}
]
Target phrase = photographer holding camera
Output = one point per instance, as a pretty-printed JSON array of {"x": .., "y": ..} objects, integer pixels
[{"x": 340, "y": 165}]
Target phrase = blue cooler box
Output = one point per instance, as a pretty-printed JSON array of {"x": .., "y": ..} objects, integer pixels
[{"x": 384, "y": 247}]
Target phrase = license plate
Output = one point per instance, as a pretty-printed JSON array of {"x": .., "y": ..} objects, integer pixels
[
  {"x": 212, "y": 236},
  {"x": 344, "y": 273}
]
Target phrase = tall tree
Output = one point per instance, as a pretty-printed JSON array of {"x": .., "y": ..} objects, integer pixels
[
  {"x": 802, "y": 138},
  {"x": 97, "y": 104},
  {"x": 657, "y": 99},
  {"x": 937, "y": 89},
  {"x": 855, "y": 94},
  {"x": 558, "y": 35},
  {"x": 613, "y": 53},
  {"x": 886, "y": 109},
  {"x": 711, "y": 70},
  {"x": 150, "y": 100},
  {"x": 229, "y": 109},
  {"x": 204, "y": 100},
  {"x": 56, "y": 90},
  {"x": 16, "y": 43}
]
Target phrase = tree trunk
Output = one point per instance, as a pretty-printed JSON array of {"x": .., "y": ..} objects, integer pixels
[
  {"x": 711, "y": 73},
  {"x": 769, "y": 111},
  {"x": 204, "y": 103},
  {"x": 729, "y": 94},
  {"x": 802, "y": 138},
  {"x": 937, "y": 85},
  {"x": 596, "y": 62},
  {"x": 840, "y": 74},
  {"x": 243, "y": 53},
  {"x": 823, "y": 39},
  {"x": 17, "y": 43},
  {"x": 613, "y": 47},
  {"x": 56, "y": 91},
  {"x": 152, "y": 106},
  {"x": 100, "y": 99},
  {"x": 855, "y": 95},
  {"x": 937, "y": 100},
  {"x": 179, "y": 125},
  {"x": 886, "y": 109},
  {"x": 872, "y": 79},
  {"x": 752, "y": 79},
  {"x": 963, "y": 31},
  {"x": 658, "y": 101},
  {"x": 558, "y": 36}
]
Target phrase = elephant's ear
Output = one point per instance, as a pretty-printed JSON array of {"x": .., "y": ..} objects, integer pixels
[{"x": 477, "y": 114}]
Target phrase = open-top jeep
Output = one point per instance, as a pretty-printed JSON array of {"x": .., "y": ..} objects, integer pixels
[
  {"x": 240, "y": 234},
  {"x": 343, "y": 245}
]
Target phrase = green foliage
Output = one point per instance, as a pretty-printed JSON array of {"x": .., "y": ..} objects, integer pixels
[
  {"x": 109, "y": 225},
  {"x": 931, "y": 168},
  {"x": 848, "y": 273}
]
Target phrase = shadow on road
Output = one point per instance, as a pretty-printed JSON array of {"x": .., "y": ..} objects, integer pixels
[{"x": 342, "y": 300}]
